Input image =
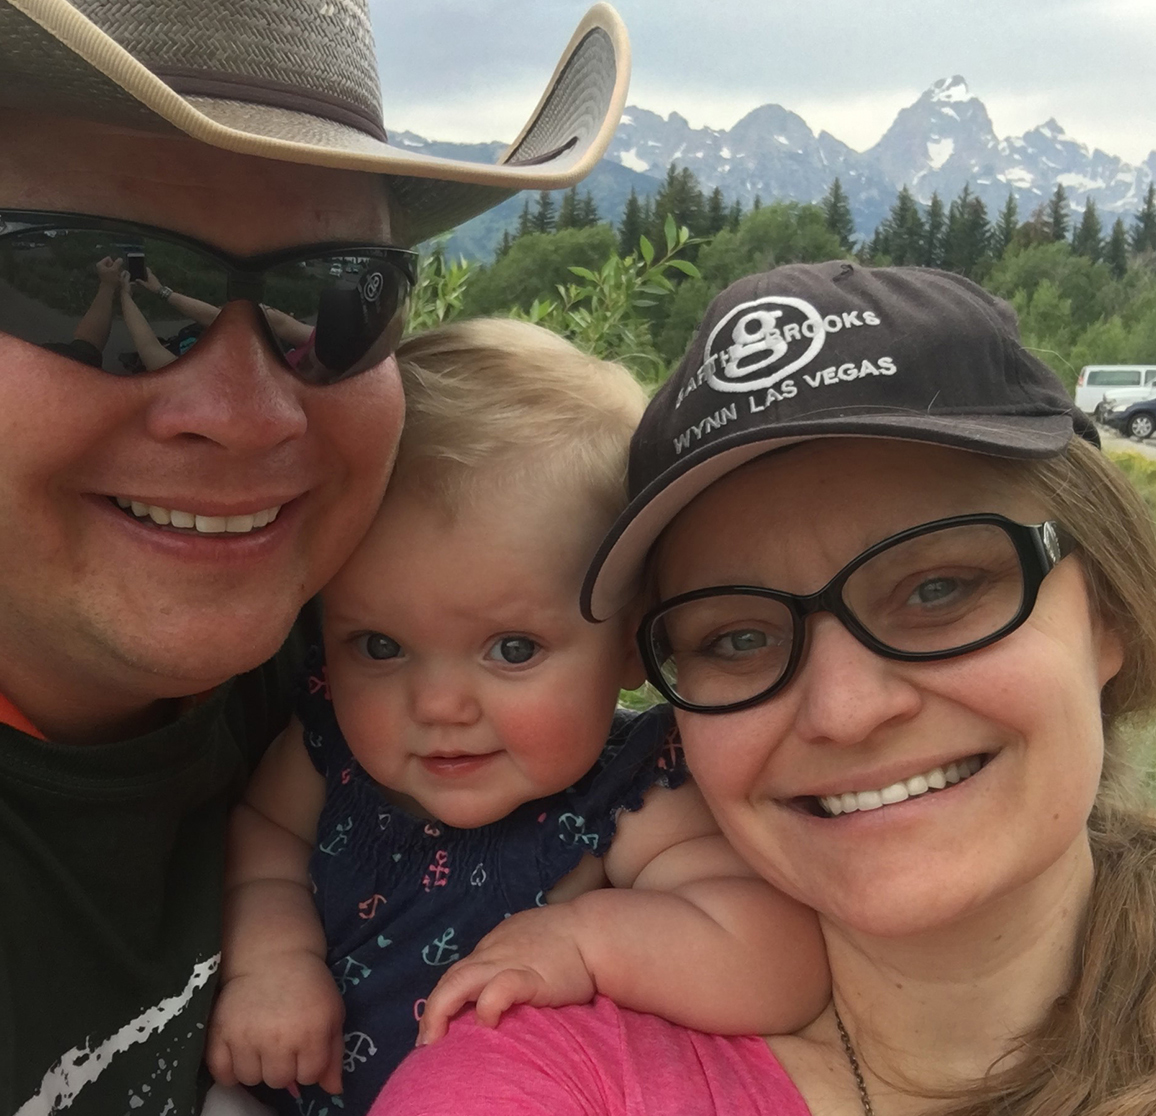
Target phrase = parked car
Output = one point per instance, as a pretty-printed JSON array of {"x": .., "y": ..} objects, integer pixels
[
  {"x": 1137, "y": 420},
  {"x": 1119, "y": 397},
  {"x": 1096, "y": 379}
]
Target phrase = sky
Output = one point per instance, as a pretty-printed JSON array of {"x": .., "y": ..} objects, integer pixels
[{"x": 472, "y": 70}]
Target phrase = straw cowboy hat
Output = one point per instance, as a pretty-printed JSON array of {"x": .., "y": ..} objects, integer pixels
[{"x": 296, "y": 80}]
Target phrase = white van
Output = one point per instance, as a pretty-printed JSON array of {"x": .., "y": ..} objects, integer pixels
[{"x": 1095, "y": 379}]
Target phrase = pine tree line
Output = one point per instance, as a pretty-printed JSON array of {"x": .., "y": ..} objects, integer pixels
[{"x": 959, "y": 236}]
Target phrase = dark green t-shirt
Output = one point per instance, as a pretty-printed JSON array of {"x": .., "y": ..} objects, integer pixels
[{"x": 111, "y": 860}]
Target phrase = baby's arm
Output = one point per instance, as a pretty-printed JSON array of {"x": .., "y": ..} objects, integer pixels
[
  {"x": 697, "y": 938},
  {"x": 278, "y": 1016}
]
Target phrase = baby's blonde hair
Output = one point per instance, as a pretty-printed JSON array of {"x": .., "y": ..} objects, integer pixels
[{"x": 495, "y": 400}]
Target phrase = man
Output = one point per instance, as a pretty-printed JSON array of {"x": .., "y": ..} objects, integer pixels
[{"x": 160, "y": 532}]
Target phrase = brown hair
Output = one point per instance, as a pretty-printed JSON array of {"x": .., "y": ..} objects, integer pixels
[{"x": 1094, "y": 1054}]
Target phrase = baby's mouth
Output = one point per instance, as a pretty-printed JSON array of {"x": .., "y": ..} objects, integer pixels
[
  {"x": 929, "y": 782},
  {"x": 175, "y": 519}
]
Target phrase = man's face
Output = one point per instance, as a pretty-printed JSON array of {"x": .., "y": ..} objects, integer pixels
[{"x": 101, "y": 612}]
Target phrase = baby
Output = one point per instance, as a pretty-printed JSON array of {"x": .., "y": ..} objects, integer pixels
[{"x": 460, "y": 778}]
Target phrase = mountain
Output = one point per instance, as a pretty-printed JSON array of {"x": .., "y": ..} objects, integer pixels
[{"x": 940, "y": 143}]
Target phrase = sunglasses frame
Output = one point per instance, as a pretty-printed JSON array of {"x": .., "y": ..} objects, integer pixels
[
  {"x": 1040, "y": 547},
  {"x": 244, "y": 275}
]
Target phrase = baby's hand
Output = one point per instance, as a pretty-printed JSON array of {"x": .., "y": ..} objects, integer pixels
[
  {"x": 280, "y": 1024},
  {"x": 531, "y": 958}
]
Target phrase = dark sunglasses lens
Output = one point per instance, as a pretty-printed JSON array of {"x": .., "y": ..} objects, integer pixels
[
  {"x": 335, "y": 316},
  {"x": 95, "y": 296},
  {"x": 62, "y": 289}
]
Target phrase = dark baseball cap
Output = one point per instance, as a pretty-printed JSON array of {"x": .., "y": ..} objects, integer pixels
[{"x": 827, "y": 350}]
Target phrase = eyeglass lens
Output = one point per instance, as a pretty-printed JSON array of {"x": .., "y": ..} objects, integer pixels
[
  {"x": 328, "y": 315},
  {"x": 930, "y": 594}
]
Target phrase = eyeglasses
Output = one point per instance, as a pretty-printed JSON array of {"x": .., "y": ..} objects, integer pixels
[
  {"x": 331, "y": 310},
  {"x": 934, "y": 591}
]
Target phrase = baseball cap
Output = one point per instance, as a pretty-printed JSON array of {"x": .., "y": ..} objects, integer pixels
[{"x": 828, "y": 350}]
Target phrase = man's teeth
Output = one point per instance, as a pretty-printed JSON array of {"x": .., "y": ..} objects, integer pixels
[
  {"x": 935, "y": 779},
  {"x": 204, "y": 524}
]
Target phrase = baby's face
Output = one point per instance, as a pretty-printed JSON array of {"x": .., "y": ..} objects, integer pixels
[{"x": 463, "y": 675}]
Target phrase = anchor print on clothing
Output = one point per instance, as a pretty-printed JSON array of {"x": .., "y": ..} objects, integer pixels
[
  {"x": 437, "y": 873},
  {"x": 338, "y": 840},
  {"x": 572, "y": 831},
  {"x": 442, "y": 950}
]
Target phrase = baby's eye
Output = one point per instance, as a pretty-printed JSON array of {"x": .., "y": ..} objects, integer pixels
[
  {"x": 513, "y": 650},
  {"x": 378, "y": 646}
]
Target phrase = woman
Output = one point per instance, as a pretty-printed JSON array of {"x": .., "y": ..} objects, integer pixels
[{"x": 901, "y": 598}]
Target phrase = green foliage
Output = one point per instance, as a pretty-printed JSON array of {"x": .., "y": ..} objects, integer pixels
[
  {"x": 1089, "y": 237},
  {"x": 1144, "y": 228},
  {"x": 837, "y": 211},
  {"x": 1141, "y": 471},
  {"x": 1116, "y": 254},
  {"x": 440, "y": 291},
  {"x": 534, "y": 267},
  {"x": 785, "y": 232},
  {"x": 604, "y": 312},
  {"x": 1058, "y": 217}
]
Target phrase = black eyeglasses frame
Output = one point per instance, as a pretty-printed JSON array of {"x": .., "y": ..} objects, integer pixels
[{"x": 1040, "y": 548}]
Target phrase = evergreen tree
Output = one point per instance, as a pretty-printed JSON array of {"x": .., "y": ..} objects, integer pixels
[
  {"x": 967, "y": 240},
  {"x": 837, "y": 210},
  {"x": 936, "y": 229},
  {"x": 568, "y": 210},
  {"x": 1058, "y": 216},
  {"x": 525, "y": 221},
  {"x": 543, "y": 220},
  {"x": 716, "y": 213},
  {"x": 904, "y": 233},
  {"x": 680, "y": 197},
  {"x": 1088, "y": 239},
  {"x": 1116, "y": 255},
  {"x": 505, "y": 245},
  {"x": 1144, "y": 227},
  {"x": 1005, "y": 229},
  {"x": 587, "y": 212},
  {"x": 631, "y": 227},
  {"x": 735, "y": 215},
  {"x": 757, "y": 204}
]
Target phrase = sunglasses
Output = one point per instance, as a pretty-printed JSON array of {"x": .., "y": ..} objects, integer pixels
[
  {"x": 935, "y": 591},
  {"x": 129, "y": 298}
]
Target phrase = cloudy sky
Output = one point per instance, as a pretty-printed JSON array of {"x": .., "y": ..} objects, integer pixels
[{"x": 473, "y": 69}]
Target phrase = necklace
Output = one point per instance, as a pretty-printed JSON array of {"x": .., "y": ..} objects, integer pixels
[{"x": 849, "y": 1050}]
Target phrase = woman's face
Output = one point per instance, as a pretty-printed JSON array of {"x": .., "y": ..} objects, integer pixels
[{"x": 851, "y": 721}]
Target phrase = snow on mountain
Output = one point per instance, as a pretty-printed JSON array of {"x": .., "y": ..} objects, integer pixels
[{"x": 941, "y": 142}]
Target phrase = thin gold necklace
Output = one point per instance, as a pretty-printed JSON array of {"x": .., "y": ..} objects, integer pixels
[{"x": 864, "y": 1097}]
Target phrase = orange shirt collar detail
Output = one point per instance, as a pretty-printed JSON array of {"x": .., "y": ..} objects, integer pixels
[{"x": 10, "y": 715}]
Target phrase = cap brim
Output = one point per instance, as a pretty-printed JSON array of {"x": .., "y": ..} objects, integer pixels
[
  {"x": 612, "y": 579},
  {"x": 60, "y": 62}
]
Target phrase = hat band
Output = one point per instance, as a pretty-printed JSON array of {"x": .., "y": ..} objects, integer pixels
[{"x": 276, "y": 94}]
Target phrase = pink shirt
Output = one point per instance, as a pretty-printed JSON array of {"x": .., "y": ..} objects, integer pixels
[{"x": 591, "y": 1060}]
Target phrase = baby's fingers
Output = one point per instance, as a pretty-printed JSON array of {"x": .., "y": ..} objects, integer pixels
[
  {"x": 509, "y": 987},
  {"x": 461, "y": 985}
]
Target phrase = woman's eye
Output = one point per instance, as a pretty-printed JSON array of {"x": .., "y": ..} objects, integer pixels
[
  {"x": 513, "y": 650},
  {"x": 741, "y": 641},
  {"x": 937, "y": 591},
  {"x": 378, "y": 646}
]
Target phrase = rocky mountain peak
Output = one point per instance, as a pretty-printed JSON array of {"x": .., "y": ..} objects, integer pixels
[{"x": 949, "y": 91}]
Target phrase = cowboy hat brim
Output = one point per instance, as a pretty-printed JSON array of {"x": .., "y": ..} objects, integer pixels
[{"x": 58, "y": 61}]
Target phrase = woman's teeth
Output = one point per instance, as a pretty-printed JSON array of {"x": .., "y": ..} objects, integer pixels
[
  {"x": 935, "y": 779},
  {"x": 203, "y": 524}
]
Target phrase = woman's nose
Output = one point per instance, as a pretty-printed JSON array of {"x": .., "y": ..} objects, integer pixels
[
  {"x": 846, "y": 692},
  {"x": 230, "y": 389}
]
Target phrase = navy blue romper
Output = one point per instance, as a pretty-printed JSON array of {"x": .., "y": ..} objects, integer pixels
[{"x": 402, "y": 898}]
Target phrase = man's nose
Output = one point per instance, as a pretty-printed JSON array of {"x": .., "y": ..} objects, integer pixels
[
  {"x": 846, "y": 692},
  {"x": 231, "y": 389}
]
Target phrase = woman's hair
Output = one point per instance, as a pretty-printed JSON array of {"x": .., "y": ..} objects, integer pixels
[
  {"x": 498, "y": 399},
  {"x": 1095, "y": 1052}
]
